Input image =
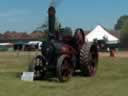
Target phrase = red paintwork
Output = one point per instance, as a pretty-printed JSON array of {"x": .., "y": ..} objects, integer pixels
[
  {"x": 67, "y": 49},
  {"x": 67, "y": 38},
  {"x": 80, "y": 39}
]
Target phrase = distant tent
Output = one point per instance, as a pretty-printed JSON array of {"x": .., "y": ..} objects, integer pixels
[
  {"x": 36, "y": 43},
  {"x": 100, "y": 33},
  {"x": 6, "y": 44}
]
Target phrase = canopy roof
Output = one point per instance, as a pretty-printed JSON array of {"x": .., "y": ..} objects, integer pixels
[
  {"x": 34, "y": 42},
  {"x": 5, "y": 44},
  {"x": 100, "y": 33}
]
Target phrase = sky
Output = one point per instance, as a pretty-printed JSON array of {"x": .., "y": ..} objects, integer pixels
[{"x": 27, "y": 15}]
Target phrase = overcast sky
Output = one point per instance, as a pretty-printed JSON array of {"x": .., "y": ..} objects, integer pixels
[{"x": 26, "y": 15}]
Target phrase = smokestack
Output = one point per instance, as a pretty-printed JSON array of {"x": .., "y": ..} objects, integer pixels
[{"x": 51, "y": 19}]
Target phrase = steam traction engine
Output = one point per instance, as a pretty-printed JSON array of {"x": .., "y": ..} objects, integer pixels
[{"x": 63, "y": 54}]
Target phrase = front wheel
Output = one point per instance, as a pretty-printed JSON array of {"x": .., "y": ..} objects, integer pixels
[
  {"x": 65, "y": 68},
  {"x": 37, "y": 66}
]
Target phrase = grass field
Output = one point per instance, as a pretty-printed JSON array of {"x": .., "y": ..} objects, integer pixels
[{"x": 111, "y": 79}]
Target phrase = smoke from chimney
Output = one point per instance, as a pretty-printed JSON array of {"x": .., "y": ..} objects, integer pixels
[{"x": 55, "y": 3}]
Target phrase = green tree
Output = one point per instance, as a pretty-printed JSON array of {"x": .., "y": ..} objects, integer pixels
[
  {"x": 124, "y": 35},
  {"x": 121, "y": 22},
  {"x": 44, "y": 26}
]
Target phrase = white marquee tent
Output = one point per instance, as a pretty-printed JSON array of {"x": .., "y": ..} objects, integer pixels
[{"x": 100, "y": 33}]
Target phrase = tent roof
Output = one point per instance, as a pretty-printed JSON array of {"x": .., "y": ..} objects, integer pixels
[
  {"x": 100, "y": 33},
  {"x": 34, "y": 42},
  {"x": 5, "y": 44}
]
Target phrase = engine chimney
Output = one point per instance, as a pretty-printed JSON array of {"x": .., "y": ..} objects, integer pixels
[{"x": 51, "y": 20}]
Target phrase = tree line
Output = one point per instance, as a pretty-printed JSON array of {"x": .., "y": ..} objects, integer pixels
[{"x": 122, "y": 27}]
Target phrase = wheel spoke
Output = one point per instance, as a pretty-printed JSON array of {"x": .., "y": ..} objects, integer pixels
[
  {"x": 64, "y": 68},
  {"x": 38, "y": 67}
]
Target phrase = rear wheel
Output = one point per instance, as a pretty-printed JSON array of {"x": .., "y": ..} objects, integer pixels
[
  {"x": 89, "y": 59},
  {"x": 65, "y": 68}
]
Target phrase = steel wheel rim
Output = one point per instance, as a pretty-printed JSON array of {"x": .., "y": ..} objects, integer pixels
[
  {"x": 93, "y": 59},
  {"x": 38, "y": 68},
  {"x": 66, "y": 70}
]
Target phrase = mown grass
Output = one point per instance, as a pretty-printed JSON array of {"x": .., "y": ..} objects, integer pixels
[{"x": 111, "y": 79}]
